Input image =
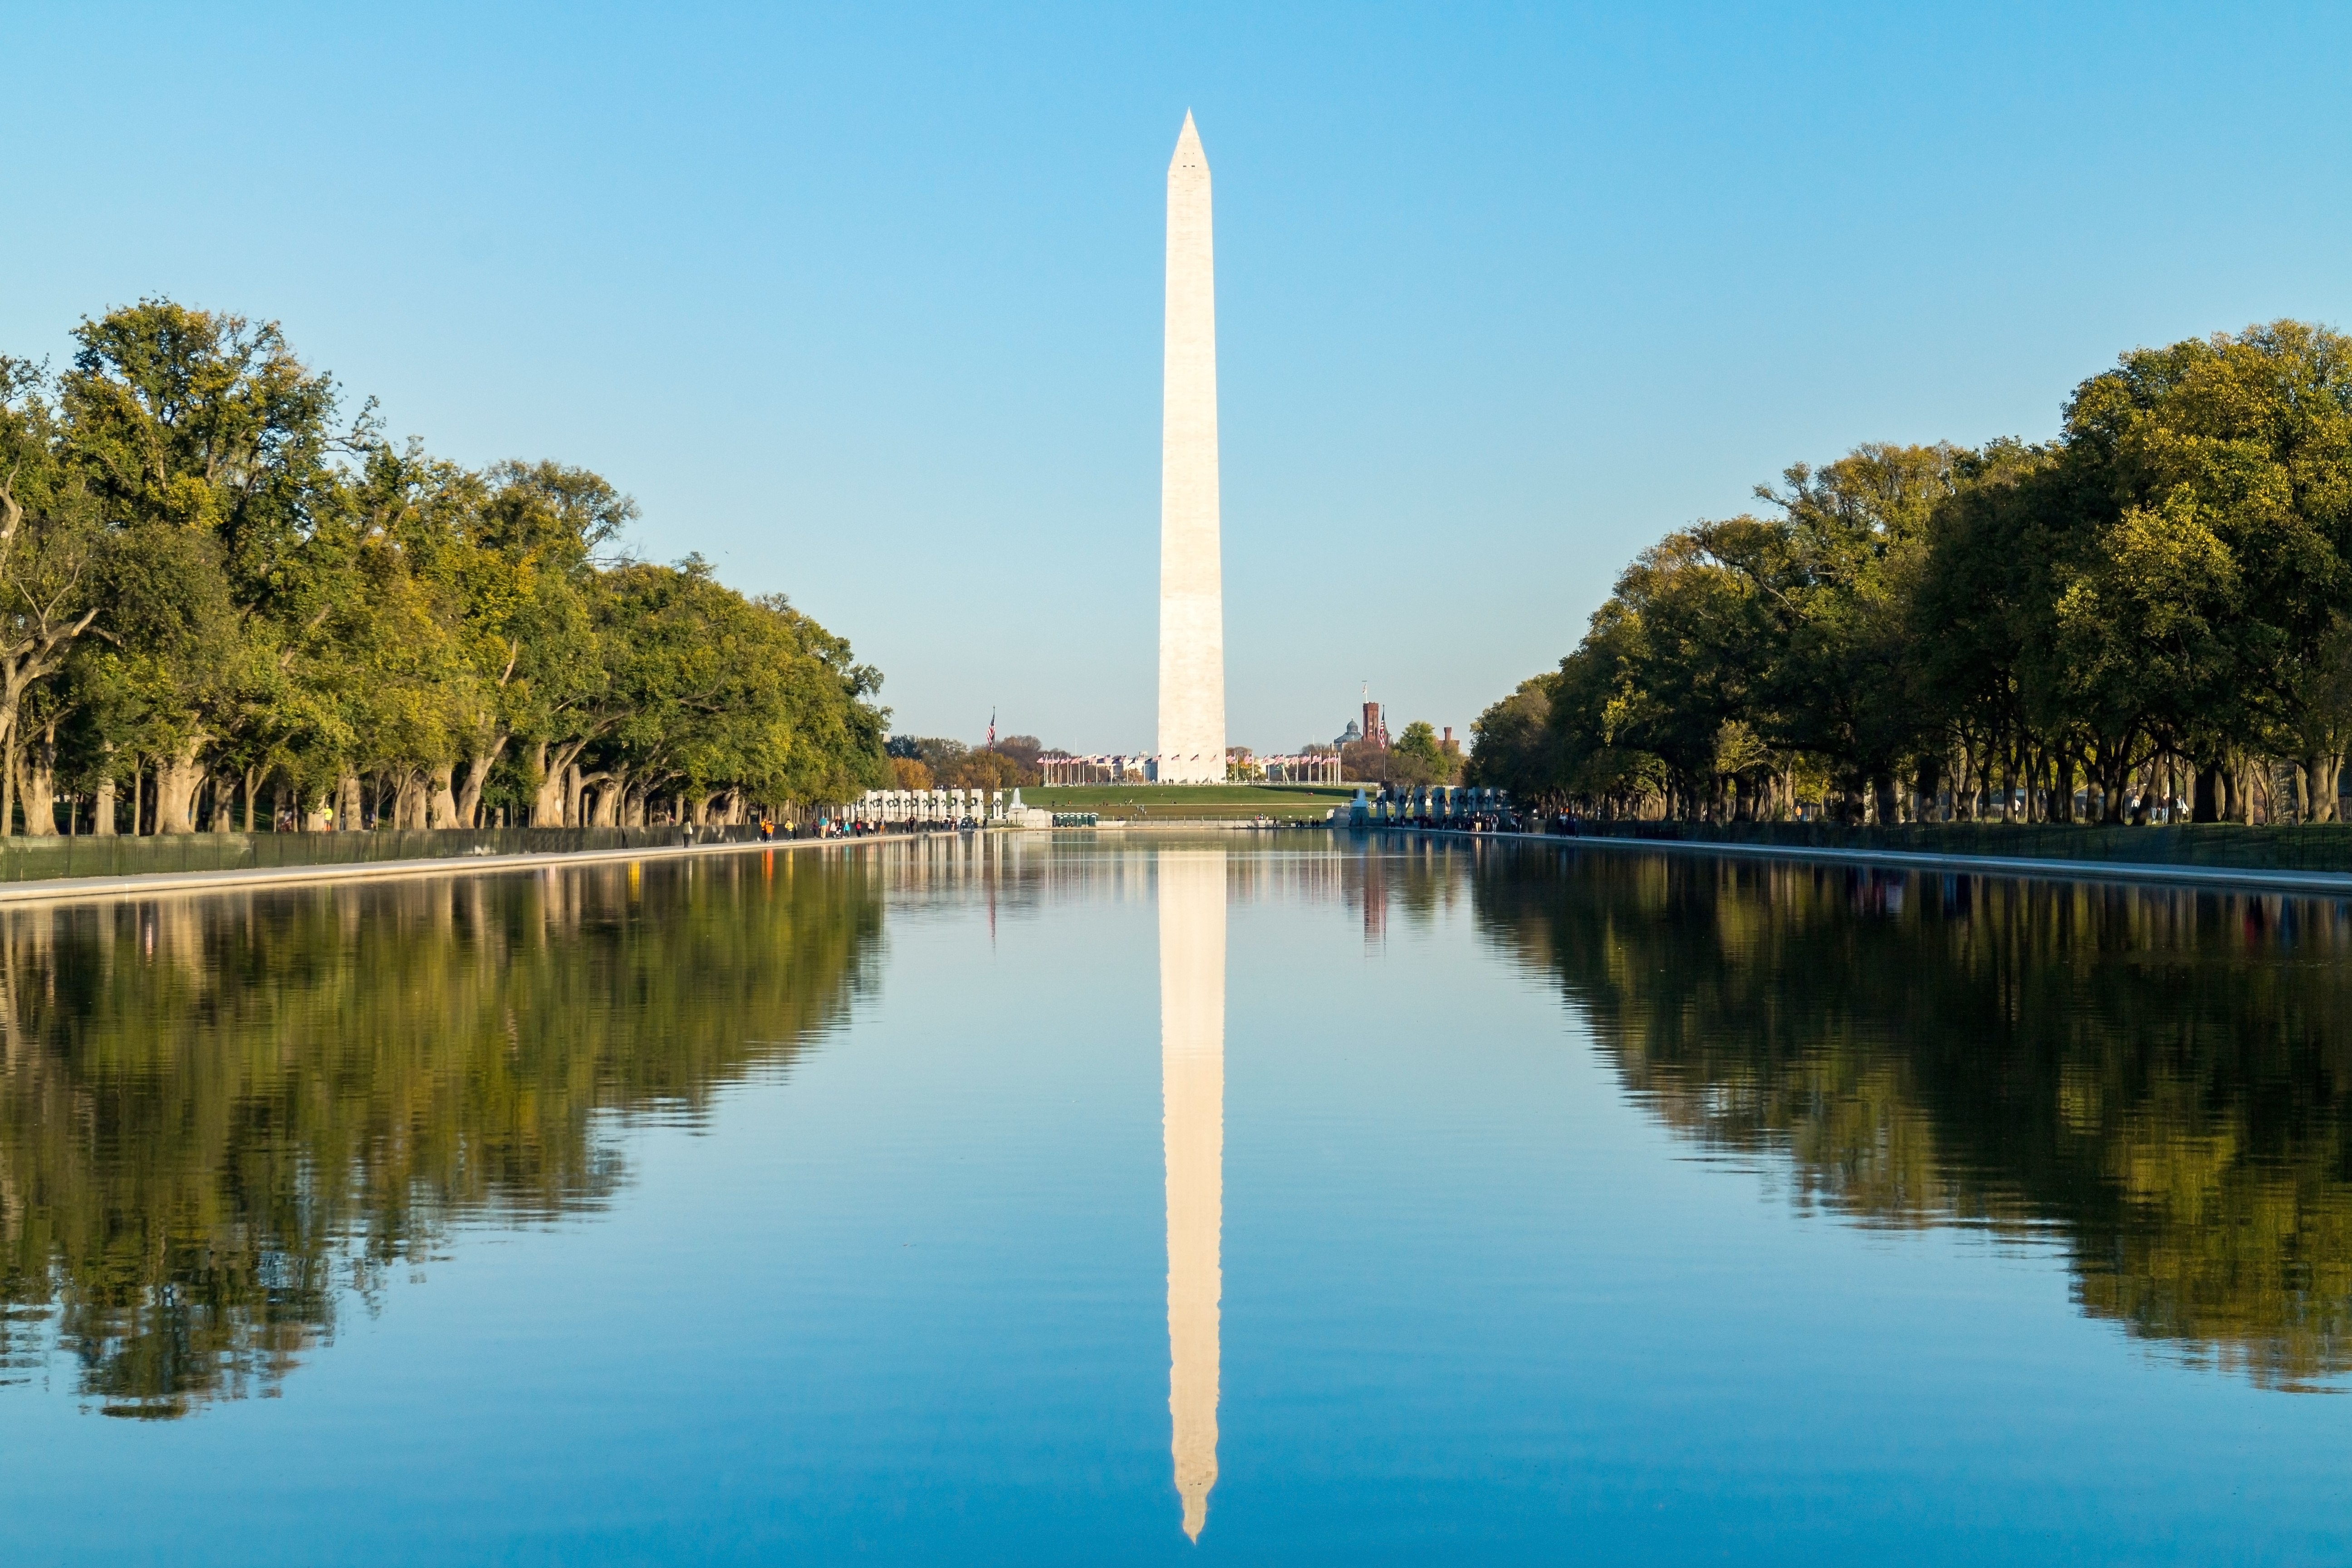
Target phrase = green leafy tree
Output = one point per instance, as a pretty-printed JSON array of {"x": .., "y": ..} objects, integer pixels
[
  {"x": 212, "y": 583},
  {"x": 1417, "y": 758},
  {"x": 208, "y": 447},
  {"x": 1510, "y": 743},
  {"x": 51, "y": 553},
  {"x": 2164, "y": 587}
]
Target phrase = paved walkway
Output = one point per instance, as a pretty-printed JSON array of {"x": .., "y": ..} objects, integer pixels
[
  {"x": 2140, "y": 871},
  {"x": 147, "y": 885}
]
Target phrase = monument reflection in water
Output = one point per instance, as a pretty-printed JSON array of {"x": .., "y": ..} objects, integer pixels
[{"x": 1191, "y": 887}]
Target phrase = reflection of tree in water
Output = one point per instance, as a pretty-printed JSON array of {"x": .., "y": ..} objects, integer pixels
[
  {"x": 2162, "y": 1076},
  {"x": 217, "y": 1116}
]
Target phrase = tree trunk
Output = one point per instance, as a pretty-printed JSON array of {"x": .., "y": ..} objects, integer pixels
[
  {"x": 477, "y": 774},
  {"x": 252, "y": 782},
  {"x": 442, "y": 800},
  {"x": 8, "y": 776},
  {"x": 574, "y": 783},
  {"x": 102, "y": 808},
  {"x": 2205, "y": 799},
  {"x": 177, "y": 779},
  {"x": 609, "y": 797},
  {"x": 41, "y": 786},
  {"x": 537, "y": 775},
  {"x": 550, "y": 771},
  {"x": 2320, "y": 769},
  {"x": 347, "y": 803}
]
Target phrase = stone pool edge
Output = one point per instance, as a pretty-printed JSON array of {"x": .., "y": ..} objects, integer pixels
[{"x": 76, "y": 889}]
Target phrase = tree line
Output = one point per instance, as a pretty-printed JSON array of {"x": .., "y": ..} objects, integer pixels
[
  {"x": 1419, "y": 758},
  {"x": 223, "y": 605},
  {"x": 937, "y": 761},
  {"x": 2149, "y": 616}
]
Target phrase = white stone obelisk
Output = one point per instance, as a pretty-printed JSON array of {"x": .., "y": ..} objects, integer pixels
[
  {"x": 1191, "y": 887},
  {"x": 1191, "y": 581}
]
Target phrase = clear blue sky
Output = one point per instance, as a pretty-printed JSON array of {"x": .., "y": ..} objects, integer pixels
[{"x": 864, "y": 303}]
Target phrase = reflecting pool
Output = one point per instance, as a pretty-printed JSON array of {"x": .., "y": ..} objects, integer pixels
[{"x": 1256, "y": 1197}]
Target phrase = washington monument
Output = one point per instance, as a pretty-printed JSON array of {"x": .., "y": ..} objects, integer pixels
[{"x": 1191, "y": 590}]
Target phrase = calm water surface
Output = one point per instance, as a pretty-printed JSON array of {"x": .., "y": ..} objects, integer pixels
[{"x": 1243, "y": 1199}]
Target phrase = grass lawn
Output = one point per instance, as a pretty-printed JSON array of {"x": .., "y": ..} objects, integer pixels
[{"x": 1168, "y": 803}]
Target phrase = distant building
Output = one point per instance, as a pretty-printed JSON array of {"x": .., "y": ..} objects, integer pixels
[{"x": 1350, "y": 735}]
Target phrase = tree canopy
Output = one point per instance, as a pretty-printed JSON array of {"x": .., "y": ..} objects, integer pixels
[
  {"x": 219, "y": 590},
  {"x": 2151, "y": 612},
  {"x": 937, "y": 761}
]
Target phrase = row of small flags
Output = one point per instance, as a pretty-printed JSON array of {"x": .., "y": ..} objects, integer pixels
[{"x": 1107, "y": 758}]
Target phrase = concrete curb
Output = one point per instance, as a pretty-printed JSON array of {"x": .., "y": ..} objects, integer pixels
[
  {"x": 2134, "y": 871},
  {"x": 83, "y": 890}
]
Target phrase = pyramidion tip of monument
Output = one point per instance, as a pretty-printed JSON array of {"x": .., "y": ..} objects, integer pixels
[{"x": 1188, "y": 144}]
